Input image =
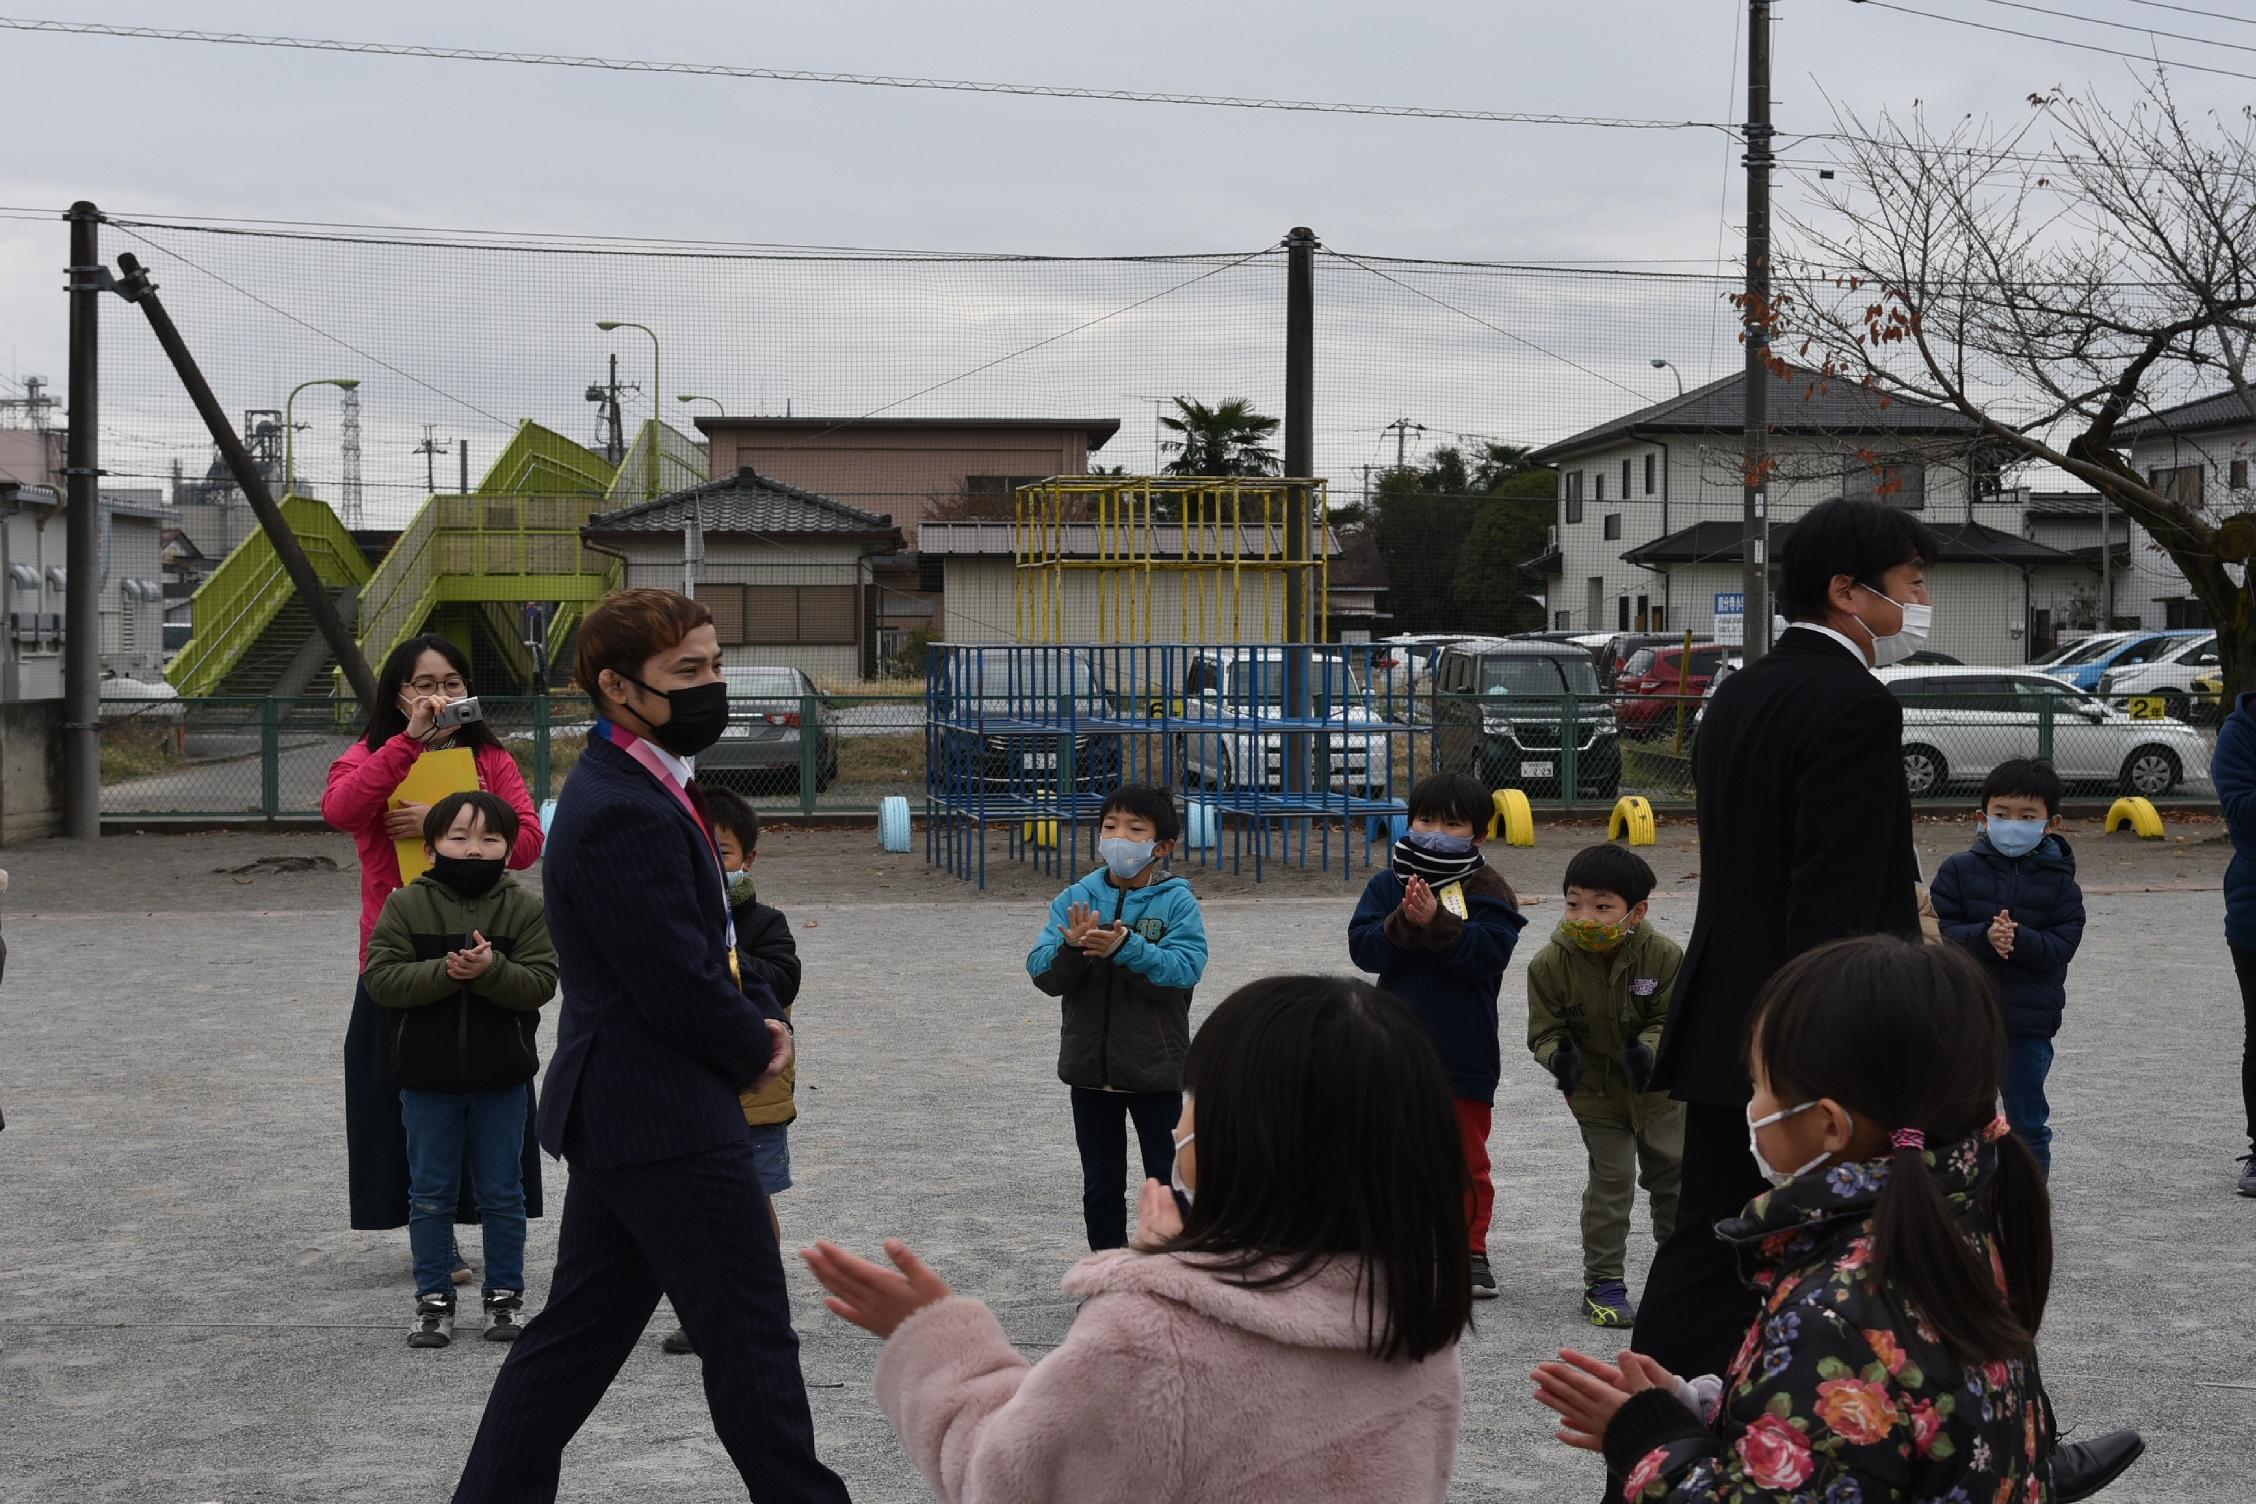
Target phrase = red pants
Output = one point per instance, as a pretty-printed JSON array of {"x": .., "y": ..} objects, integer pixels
[{"x": 1473, "y": 1120}]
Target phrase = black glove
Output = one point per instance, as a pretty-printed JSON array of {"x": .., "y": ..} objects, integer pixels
[
  {"x": 1566, "y": 1068},
  {"x": 1638, "y": 1061}
]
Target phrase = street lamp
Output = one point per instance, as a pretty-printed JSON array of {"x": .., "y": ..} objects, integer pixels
[
  {"x": 290, "y": 429},
  {"x": 657, "y": 420},
  {"x": 1658, "y": 362},
  {"x": 718, "y": 410}
]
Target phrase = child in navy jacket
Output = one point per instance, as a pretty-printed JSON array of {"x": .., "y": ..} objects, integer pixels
[
  {"x": 2013, "y": 901},
  {"x": 1438, "y": 928}
]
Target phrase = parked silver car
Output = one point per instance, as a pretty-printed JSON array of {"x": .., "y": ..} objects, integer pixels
[{"x": 772, "y": 711}]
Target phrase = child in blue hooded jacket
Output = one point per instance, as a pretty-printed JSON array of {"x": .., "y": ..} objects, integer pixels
[
  {"x": 1438, "y": 928},
  {"x": 2013, "y": 901},
  {"x": 1122, "y": 950}
]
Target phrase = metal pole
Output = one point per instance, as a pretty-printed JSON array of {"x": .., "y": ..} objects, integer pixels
[
  {"x": 463, "y": 483},
  {"x": 1754, "y": 523},
  {"x": 138, "y": 289},
  {"x": 1300, "y": 465},
  {"x": 82, "y": 473},
  {"x": 2106, "y": 567}
]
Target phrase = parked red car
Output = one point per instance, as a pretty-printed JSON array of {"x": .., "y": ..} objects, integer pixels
[{"x": 1653, "y": 679}]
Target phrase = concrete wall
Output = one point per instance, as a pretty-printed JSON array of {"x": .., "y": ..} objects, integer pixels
[
  {"x": 904, "y": 473},
  {"x": 983, "y": 607},
  {"x": 31, "y": 769}
]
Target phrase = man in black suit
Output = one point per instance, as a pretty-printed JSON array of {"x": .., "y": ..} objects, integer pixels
[
  {"x": 655, "y": 1039},
  {"x": 1805, "y": 837}
]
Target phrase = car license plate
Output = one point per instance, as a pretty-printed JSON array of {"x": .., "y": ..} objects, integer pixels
[
  {"x": 1043, "y": 760},
  {"x": 1538, "y": 770}
]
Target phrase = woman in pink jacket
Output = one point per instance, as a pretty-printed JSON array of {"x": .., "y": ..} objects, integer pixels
[
  {"x": 420, "y": 677},
  {"x": 1291, "y": 1337}
]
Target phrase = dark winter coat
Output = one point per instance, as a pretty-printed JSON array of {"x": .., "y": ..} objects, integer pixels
[
  {"x": 1805, "y": 837},
  {"x": 1600, "y": 1004},
  {"x": 1449, "y": 971},
  {"x": 1127, "y": 1016},
  {"x": 2233, "y": 769},
  {"x": 766, "y": 951},
  {"x": 2039, "y": 890},
  {"x": 1839, "y": 1394},
  {"x": 451, "y": 1036}
]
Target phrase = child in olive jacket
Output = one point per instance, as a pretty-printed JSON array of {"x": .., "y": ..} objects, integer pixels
[
  {"x": 462, "y": 958},
  {"x": 1122, "y": 950},
  {"x": 1598, "y": 995}
]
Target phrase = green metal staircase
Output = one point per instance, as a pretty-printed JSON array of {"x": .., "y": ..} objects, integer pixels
[{"x": 246, "y": 620}]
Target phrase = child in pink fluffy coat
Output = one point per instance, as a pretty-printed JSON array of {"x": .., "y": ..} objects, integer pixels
[{"x": 1285, "y": 1331}]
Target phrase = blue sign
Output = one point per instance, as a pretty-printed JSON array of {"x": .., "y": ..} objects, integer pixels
[{"x": 1731, "y": 603}]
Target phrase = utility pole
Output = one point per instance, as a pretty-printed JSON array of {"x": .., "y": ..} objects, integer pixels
[
  {"x": 429, "y": 449},
  {"x": 1401, "y": 428},
  {"x": 464, "y": 454},
  {"x": 1754, "y": 538},
  {"x": 2106, "y": 566},
  {"x": 1300, "y": 466},
  {"x": 609, "y": 425},
  {"x": 82, "y": 479}
]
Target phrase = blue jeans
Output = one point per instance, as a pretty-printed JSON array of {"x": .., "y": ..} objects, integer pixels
[
  {"x": 771, "y": 1156},
  {"x": 441, "y": 1125},
  {"x": 2027, "y": 1060}
]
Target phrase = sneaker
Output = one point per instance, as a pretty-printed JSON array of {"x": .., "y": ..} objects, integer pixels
[
  {"x": 1484, "y": 1281},
  {"x": 463, "y": 1273},
  {"x": 502, "y": 1307},
  {"x": 1607, "y": 1304},
  {"x": 2247, "y": 1183},
  {"x": 677, "y": 1342},
  {"x": 434, "y": 1321}
]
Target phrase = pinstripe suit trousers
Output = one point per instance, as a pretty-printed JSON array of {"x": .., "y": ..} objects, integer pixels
[{"x": 694, "y": 1228}]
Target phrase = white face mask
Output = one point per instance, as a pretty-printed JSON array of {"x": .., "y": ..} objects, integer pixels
[
  {"x": 1779, "y": 1178},
  {"x": 1905, "y": 640},
  {"x": 1175, "y": 1176}
]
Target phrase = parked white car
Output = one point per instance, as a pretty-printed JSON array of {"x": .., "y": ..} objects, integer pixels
[
  {"x": 2169, "y": 675},
  {"x": 1959, "y": 723},
  {"x": 127, "y": 698},
  {"x": 1241, "y": 689}
]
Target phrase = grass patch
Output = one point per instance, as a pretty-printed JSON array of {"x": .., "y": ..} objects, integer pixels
[
  {"x": 1655, "y": 768},
  {"x": 136, "y": 752},
  {"x": 881, "y": 759}
]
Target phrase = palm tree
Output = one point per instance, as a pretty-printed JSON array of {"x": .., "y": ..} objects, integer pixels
[{"x": 1227, "y": 439}]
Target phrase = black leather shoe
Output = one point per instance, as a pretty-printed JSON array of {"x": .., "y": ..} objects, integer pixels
[{"x": 2082, "y": 1468}]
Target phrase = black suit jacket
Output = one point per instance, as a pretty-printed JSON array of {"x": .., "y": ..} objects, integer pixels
[
  {"x": 1805, "y": 837},
  {"x": 655, "y": 1038}
]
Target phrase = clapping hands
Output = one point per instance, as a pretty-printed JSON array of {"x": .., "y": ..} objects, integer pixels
[
  {"x": 1418, "y": 902},
  {"x": 1085, "y": 934},
  {"x": 2003, "y": 931},
  {"x": 470, "y": 964},
  {"x": 1585, "y": 1393}
]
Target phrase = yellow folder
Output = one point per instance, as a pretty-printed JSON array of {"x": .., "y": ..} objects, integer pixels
[{"x": 449, "y": 770}]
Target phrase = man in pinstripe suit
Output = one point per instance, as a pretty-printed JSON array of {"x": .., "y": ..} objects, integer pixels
[{"x": 654, "y": 1041}]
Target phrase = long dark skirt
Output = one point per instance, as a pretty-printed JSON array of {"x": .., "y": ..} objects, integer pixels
[{"x": 375, "y": 1141}]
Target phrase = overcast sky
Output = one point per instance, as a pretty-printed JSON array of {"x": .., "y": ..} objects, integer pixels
[{"x": 156, "y": 128}]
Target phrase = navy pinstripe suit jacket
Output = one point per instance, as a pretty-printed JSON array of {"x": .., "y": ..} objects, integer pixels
[{"x": 655, "y": 1037}]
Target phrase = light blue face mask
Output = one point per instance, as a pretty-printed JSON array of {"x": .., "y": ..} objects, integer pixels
[
  {"x": 2013, "y": 838},
  {"x": 1124, "y": 858}
]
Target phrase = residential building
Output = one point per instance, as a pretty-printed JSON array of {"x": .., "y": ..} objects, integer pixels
[
  {"x": 788, "y": 574},
  {"x": 911, "y": 469},
  {"x": 1650, "y": 506}
]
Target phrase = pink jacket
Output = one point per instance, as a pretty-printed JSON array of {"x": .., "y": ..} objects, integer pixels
[
  {"x": 1173, "y": 1385},
  {"x": 361, "y": 781}
]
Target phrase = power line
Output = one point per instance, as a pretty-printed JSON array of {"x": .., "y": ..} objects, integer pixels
[
  {"x": 2032, "y": 36},
  {"x": 2214, "y": 15},
  {"x": 864, "y": 80},
  {"x": 2175, "y": 36}
]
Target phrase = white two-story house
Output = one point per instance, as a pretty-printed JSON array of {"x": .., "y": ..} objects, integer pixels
[
  {"x": 1649, "y": 529},
  {"x": 2198, "y": 452}
]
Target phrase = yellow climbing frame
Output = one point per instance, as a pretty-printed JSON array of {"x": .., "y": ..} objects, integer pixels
[{"x": 1119, "y": 558}]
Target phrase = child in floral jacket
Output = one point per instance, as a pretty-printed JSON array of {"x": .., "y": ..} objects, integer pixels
[{"x": 1903, "y": 1260}]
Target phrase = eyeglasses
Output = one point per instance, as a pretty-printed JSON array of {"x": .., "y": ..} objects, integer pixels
[{"x": 452, "y": 686}]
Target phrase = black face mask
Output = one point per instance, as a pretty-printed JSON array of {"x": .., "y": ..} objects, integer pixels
[
  {"x": 700, "y": 715},
  {"x": 471, "y": 876}
]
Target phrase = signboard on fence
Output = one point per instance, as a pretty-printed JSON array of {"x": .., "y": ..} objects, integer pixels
[{"x": 1731, "y": 617}]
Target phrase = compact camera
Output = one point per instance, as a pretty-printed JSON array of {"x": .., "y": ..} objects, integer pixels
[{"x": 458, "y": 713}]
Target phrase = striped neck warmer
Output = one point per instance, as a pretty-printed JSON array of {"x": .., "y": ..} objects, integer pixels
[{"x": 1437, "y": 867}]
